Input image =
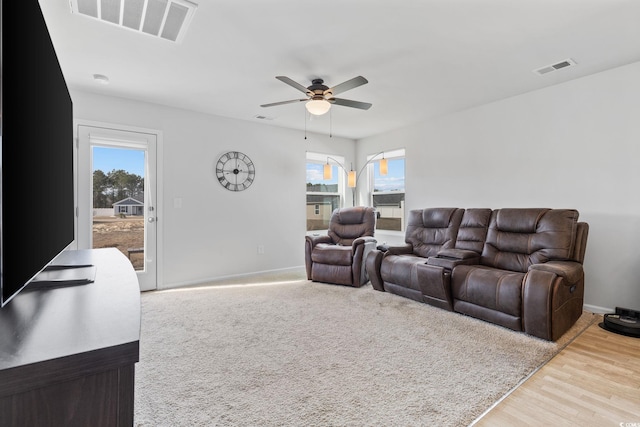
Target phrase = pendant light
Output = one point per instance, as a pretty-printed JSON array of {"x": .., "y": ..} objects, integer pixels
[
  {"x": 384, "y": 167},
  {"x": 327, "y": 172},
  {"x": 351, "y": 178}
]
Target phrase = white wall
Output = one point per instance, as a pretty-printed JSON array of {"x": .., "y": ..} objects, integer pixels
[
  {"x": 216, "y": 233},
  {"x": 574, "y": 145}
]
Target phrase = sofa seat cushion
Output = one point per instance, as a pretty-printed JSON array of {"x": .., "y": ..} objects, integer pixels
[
  {"x": 492, "y": 288},
  {"x": 324, "y": 253},
  {"x": 401, "y": 270}
]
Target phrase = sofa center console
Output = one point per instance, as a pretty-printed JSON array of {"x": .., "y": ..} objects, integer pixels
[{"x": 67, "y": 354}]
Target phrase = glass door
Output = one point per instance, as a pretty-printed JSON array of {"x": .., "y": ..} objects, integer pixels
[{"x": 116, "y": 196}]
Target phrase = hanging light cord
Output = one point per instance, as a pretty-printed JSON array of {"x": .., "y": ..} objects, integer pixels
[
  {"x": 305, "y": 124},
  {"x": 330, "y": 124}
]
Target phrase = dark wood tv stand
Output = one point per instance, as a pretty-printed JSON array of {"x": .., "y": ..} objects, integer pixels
[{"x": 67, "y": 354}]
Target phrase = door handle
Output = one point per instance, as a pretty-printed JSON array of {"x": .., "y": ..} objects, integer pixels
[{"x": 151, "y": 219}]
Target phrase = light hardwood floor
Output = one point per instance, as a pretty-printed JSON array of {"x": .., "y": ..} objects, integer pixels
[{"x": 594, "y": 381}]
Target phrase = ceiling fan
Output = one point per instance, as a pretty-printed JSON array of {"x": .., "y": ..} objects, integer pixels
[{"x": 320, "y": 97}]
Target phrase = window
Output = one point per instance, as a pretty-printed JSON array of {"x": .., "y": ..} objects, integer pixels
[
  {"x": 323, "y": 196},
  {"x": 387, "y": 195}
]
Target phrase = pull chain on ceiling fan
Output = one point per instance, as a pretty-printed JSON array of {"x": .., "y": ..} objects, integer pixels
[{"x": 320, "y": 97}]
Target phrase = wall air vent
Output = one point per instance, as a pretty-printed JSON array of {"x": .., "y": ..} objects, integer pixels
[
  {"x": 555, "y": 67},
  {"x": 167, "y": 19}
]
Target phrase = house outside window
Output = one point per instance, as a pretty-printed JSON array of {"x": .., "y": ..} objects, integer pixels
[
  {"x": 323, "y": 196},
  {"x": 387, "y": 195}
]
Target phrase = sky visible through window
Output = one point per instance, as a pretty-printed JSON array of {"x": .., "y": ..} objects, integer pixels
[
  {"x": 394, "y": 180},
  {"x": 315, "y": 173},
  {"x": 107, "y": 159}
]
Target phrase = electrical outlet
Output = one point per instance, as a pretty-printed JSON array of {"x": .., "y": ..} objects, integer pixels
[{"x": 260, "y": 249}]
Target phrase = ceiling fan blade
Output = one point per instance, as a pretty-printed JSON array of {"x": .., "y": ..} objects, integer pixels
[
  {"x": 350, "y": 103},
  {"x": 294, "y": 84},
  {"x": 345, "y": 86},
  {"x": 273, "y": 104}
]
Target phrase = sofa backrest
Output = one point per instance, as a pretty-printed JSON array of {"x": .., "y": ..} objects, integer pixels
[
  {"x": 347, "y": 224},
  {"x": 473, "y": 230},
  {"x": 429, "y": 230},
  {"x": 518, "y": 238}
]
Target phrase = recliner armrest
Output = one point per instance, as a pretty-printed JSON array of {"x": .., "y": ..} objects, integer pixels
[
  {"x": 449, "y": 258},
  {"x": 450, "y": 263},
  {"x": 372, "y": 263},
  {"x": 363, "y": 240},
  {"x": 457, "y": 254},
  {"x": 309, "y": 243},
  {"x": 399, "y": 250},
  {"x": 571, "y": 271},
  {"x": 314, "y": 240}
]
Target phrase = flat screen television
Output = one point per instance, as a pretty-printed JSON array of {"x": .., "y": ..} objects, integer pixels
[{"x": 36, "y": 135}]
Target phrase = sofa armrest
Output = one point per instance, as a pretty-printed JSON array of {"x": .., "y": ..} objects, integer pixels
[
  {"x": 361, "y": 249},
  {"x": 399, "y": 250},
  {"x": 552, "y": 298},
  {"x": 570, "y": 271},
  {"x": 457, "y": 254},
  {"x": 373, "y": 262},
  {"x": 450, "y": 263},
  {"x": 363, "y": 240},
  {"x": 449, "y": 258}
]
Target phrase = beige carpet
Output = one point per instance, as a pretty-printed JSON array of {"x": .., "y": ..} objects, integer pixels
[{"x": 310, "y": 354}]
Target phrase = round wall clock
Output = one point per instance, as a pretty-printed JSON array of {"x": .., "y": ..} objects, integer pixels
[{"x": 235, "y": 171}]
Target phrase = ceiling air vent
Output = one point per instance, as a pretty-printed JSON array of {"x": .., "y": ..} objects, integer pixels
[
  {"x": 167, "y": 19},
  {"x": 554, "y": 67}
]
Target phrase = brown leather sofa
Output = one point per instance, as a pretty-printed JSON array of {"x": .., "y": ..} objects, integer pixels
[
  {"x": 339, "y": 256},
  {"x": 519, "y": 268}
]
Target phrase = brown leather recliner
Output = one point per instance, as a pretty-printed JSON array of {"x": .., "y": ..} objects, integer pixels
[
  {"x": 404, "y": 271},
  {"x": 530, "y": 275},
  {"x": 519, "y": 268},
  {"x": 339, "y": 256}
]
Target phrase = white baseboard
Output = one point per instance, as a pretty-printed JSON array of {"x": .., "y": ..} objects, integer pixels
[
  {"x": 596, "y": 309},
  {"x": 235, "y": 278}
]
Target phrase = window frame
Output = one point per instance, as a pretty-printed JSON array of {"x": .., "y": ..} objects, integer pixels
[
  {"x": 399, "y": 153},
  {"x": 321, "y": 159}
]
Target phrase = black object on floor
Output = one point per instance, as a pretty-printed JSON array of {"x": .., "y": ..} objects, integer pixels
[{"x": 624, "y": 321}]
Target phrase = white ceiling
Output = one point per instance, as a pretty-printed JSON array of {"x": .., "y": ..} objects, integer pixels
[{"x": 423, "y": 58}]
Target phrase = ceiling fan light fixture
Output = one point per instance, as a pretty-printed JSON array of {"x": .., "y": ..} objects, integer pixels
[{"x": 318, "y": 107}]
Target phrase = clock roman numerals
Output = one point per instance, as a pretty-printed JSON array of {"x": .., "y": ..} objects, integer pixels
[{"x": 235, "y": 171}]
